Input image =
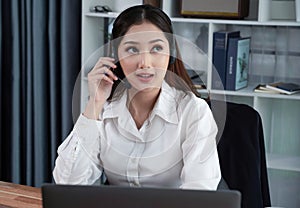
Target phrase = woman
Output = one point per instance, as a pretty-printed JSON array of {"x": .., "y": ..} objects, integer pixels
[{"x": 151, "y": 131}]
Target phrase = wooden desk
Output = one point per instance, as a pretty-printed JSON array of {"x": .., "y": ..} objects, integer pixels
[{"x": 19, "y": 196}]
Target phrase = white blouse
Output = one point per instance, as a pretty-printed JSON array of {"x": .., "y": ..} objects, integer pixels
[{"x": 175, "y": 147}]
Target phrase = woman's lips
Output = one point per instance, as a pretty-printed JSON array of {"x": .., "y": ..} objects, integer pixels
[{"x": 145, "y": 77}]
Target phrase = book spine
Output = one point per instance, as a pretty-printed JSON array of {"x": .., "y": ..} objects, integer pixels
[
  {"x": 220, "y": 42},
  {"x": 231, "y": 64}
]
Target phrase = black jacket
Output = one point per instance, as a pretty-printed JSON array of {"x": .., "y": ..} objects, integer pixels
[{"x": 242, "y": 152}]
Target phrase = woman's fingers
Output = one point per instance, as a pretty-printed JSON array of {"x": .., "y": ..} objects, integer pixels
[
  {"x": 97, "y": 77},
  {"x": 104, "y": 73},
  {"x": 108, "y": 79},
  {"x": 103, "y": 67},
  {"x": 101, "y": 78},
  {"x": 105, "y": 61},
  {"x": 110, "y": 74}
]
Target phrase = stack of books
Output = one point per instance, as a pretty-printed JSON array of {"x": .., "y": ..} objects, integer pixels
[
  {"x": 286, "y": 88},
  {"x": 231, "y": 60},
  {"x": 196, "y": 78}
]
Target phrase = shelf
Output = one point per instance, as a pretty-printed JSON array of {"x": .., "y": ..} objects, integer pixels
[
  {"x": 236, "y": 22},
  {"x": 277, "y": 96},
  {"x": 248, "y": 92},
  {"x": 215, "y": 21},
  {"x": 274, "y": 52},
  {"x": 107, "y": 15},
  {"x": 280, "y": 162}
]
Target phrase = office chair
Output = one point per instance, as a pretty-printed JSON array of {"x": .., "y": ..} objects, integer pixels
[{"x": 242, "y": 153}]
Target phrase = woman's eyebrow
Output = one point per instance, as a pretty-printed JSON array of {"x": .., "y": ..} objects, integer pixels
[
  {"x": 130, "y": 42},
  {"x": 156, "y": 40},
  {"x": 136, "y": 43}
]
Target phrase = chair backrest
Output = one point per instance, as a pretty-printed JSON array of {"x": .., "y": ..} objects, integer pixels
[{"x": 242, "y": 153}]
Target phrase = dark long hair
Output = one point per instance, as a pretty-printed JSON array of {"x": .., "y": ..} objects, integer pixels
[{"x": 137, "y": 15}]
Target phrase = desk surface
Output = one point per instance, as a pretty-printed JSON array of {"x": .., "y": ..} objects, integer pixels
[{"x": 19, "y": 196}]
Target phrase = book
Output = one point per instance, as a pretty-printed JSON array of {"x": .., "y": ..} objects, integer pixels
[
  {"x": 220, "y": 43},
  {"x": 196, "y": 78},
  {"x": 262, "y": 88},
  {"x": 284, "y": 87},
  {"x": 237, "y": 63}
]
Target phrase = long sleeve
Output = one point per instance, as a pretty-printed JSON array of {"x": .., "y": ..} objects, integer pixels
[
  {"x": 78, "y": 160},
  {"x": 201, "y": 169}
]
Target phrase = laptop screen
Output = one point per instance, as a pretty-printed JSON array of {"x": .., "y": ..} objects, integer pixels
[{"x": 77, "y": 196}]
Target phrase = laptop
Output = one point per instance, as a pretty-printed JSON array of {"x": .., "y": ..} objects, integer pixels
[{"x": 78, "y": 196}]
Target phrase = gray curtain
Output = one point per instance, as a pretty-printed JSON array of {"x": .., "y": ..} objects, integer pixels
[{"x": 40, "y": 61}]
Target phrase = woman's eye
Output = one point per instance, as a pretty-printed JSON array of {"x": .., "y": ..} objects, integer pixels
[
  {"x": 157, "y": 48},
  {"x": 132, "y": 50}
]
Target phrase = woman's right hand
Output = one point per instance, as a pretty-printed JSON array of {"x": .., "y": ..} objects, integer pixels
[{"x": 100, "y": 81}]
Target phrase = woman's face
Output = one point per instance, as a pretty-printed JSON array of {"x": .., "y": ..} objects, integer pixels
[{"x": 144, "y": 56}]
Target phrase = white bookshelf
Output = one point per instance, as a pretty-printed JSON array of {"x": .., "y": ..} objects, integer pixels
[
  {"x": 281, "y": 162},
  {"x": 275, "y": 56}
]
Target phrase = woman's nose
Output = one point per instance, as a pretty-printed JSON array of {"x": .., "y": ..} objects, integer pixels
[{"x": 145, "y": 60}]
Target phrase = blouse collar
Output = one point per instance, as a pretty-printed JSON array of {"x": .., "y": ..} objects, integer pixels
[{"x": 164, "y": 106}]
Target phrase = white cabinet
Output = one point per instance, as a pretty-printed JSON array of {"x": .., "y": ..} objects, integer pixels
[{"x": 275, "y": 55}]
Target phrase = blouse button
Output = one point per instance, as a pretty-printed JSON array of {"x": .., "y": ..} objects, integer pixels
[
  {"x": 134, "y": 160},
  {"x": 148, "y": 123},
  {"x": 136, "y": 183}
]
